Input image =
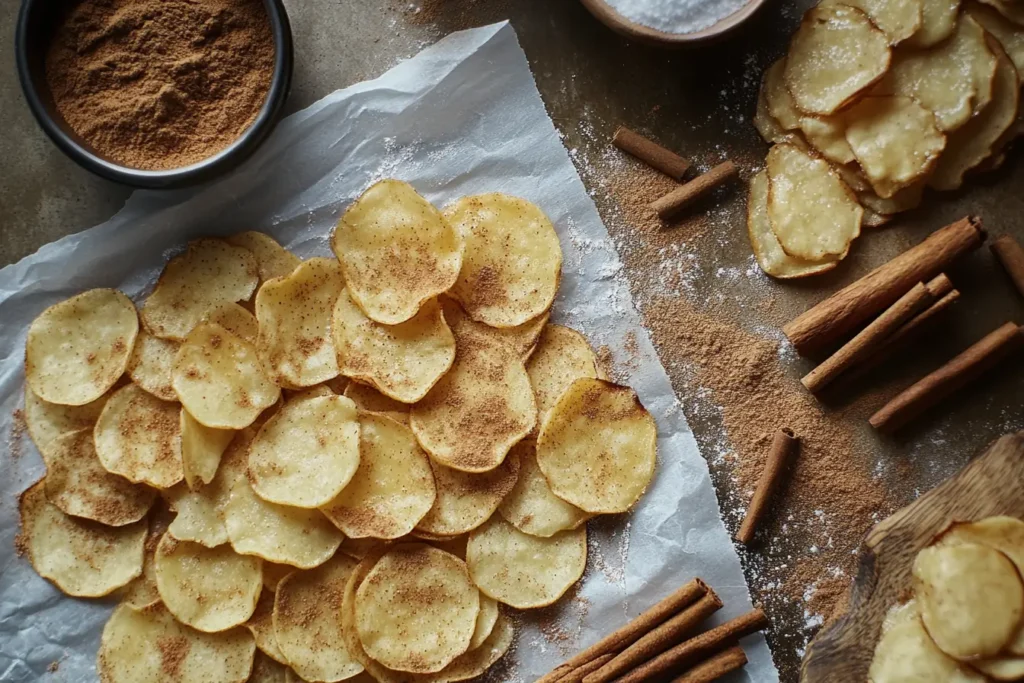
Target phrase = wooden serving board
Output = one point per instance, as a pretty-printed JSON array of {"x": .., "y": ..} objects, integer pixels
[{"x": 992, "y": 484}]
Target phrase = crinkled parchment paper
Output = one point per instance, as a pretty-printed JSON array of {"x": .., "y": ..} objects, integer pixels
[{"x": 462, "y": 117}]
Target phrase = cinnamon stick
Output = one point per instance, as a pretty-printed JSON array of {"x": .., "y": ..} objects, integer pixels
[
  {"x": 784, "y": 446},
  {"x": 671, "y": 633},
  {"x": 677, "y": 200},
  {"x": 839, "y": 315},
  {"x": 1011, "y": 255},
  {"x": 622, "y": 638},
  {"x": 697, "y": 648},
  {"x": 651, "y": 153},
  {"x": 577, "y": 675},
  {"x": 950, "y": 378},
  {"x": 870, "y": 338},
  {"x": 724, "y": 662}
]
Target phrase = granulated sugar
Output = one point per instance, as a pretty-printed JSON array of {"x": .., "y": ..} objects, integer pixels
[{"x": 676, "y": 16}]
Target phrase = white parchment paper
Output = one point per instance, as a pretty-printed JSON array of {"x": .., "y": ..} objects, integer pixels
[{"x": 462, "y": 117}]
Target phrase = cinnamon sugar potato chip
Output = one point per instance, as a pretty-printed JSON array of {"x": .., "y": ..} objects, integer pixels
[
  {"x": 835, "y": 55},
  {"x": 393, "y": 486},
  {"x": 416, "y": 609},
  {"x": 209, "y": 589},
  {"x": 138, "y": 436},
  {"x": 211, "y": 272},
  {"x": 261, "y": 626},
  {"x": 142, "y": 592},
  {"x": 479, "y": 659},
  {"x": 466, "y": 500},
  {"x": 273, "y": 574},
  {"x": 77, "y": 349},
  {"x": 478, "y": 410},
  {"x": 768, "y": 126},
  {"x": 525, "y": 571},
  {"x": 306, "y": 453},
  {"x": 938, "y": 20},
  {"x": 1010, "y": 36},
  {"x": 220, "y": 380},
  {"x": 824, "y": 133},
  {"x": 513, "y": 260},
  {"x": 896, "y": 141},
  {"x": 827, "y": 135},
  {"x": 522, "y": 339},
  {"x": 140, "y": 645},
  {"x": 199, "y": 517},
  {"x": 396, "y": 251},
  {"x": 777, "y": 98},
  {"x": 401, "y": 361},
  {"x": 531, "y": 506},
  {"x": 486, "y": 619},
  {"x": 562, "y": 356},
  {"x": 369, "y": 399},
  {"x": 906, "y": 199},
  {"x": 971, "y": 598},
  {"x": 48, "y": 421},
  {"x": 813, "y": 213},
  {"x": 294, "y": 314},
  {"x": 307, "y": 622},
  {"x": 770, "y": 255},
  {"x": 235, "y": 320},
  {"x": 81, "y": 557},
  {"x": 150, "y": 365},
  {"x": 272, "y": 260},
  {"x": 267, "y": 670},
  {"x": 78, "y": 485},
  {"x": 897, "y": 19},
  {"x": 598, "y": 447},
  {"x": 201, "y": 449},
  {"x": 1005, "y": 534}
]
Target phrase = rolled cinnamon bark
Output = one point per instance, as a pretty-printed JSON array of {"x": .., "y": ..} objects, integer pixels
[
  {"x": 671, "y": 633},
  {"x": 784, "y": 446},
  {"x": 677, "y": 200},
  {"x": 1011, "y": 255},
  {"x": 724, "y": 662},
  {"x": 651, "y": 153},
  {"x": 950, "y": 378},
  {"x": 577, "y": 675},
  {"x": 836, "y": 317}
]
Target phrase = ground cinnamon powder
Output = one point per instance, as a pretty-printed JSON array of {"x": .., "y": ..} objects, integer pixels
[{"x": 160, "y": 84}]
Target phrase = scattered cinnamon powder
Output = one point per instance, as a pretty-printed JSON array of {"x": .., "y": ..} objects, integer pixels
[
  {"x": 20, "y": 544},
  {"x": 18, "y": 429},
  {"x": 54, "y": 666},
  {"x": 173, "y": 651}
]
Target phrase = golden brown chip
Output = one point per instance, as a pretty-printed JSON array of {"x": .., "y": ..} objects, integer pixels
[
  {"x": 261, "y": 626},
  {"x": 1009, "y": 9},
  {"x": 938, "y": 21},
  {"x": 465, "y": 500},
  {"x": 266, "y": 670},
  {"x": 199, "y": 517},
  {"x": 48, "y": 421},
  {"x": 138, "y": 436},
  {"x": 369, "y": 399},
  {"x": 201, "y": 449},
  {"x": 1005, "y": 31},
  {"x": 562, "y": 356},
  {"x": 897, "y": 19},
  {"x": 272, "y": 260},
  {"x": 274, "y": 573},
  {"x": 236, "y": 320},
  {"x": 531, "y": 507},
  {"x": 151, "y": 363},
  {"x": 522, "y": 339}
]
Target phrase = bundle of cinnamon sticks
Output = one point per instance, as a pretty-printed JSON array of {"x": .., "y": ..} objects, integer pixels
[{"x": 663, "y": 643}]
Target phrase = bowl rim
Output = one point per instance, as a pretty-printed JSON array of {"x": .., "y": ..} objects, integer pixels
[
  {"x": 607, "y": 15},
  {"x": 217, "y": 164}
]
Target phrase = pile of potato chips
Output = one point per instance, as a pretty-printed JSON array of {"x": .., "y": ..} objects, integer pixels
[
  {"x": 965, "y": 621},
  {"x": 329, "y": 469},
  {"x": 876, "y": 101}
]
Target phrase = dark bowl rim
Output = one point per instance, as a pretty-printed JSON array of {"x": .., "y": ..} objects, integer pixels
[{"x": 221, "y": 162}]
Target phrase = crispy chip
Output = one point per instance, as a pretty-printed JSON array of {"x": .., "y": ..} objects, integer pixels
[
  {"x": 906, "y": 199},
  {"x": 938, "y": 21},
  {"x": 294, "y": 315},
  {"x": 236, "y": 320},
  {"x": 150, "y": 645},
  {"x": 598, "y": 447},
  {"x": 210, "y": 273},
  {"x": 770, "y": 256},
  {"x": 201, "y": 449},
  {"x": 266, "y": 670},
  {"x": 896, "y": 140},
  {"x": 79, "y": 348},
  {"x": 274, "y": 573},
  {"x": 392, "y": 488},
  {"x": 48, "y": 421},
  {"x": 307, "y": 453},
  {"x": 272, "y": 260},
  {"x": 531, "y": 507},
  {"x": 971, "y": 598},
  {"x": 562, "y": 356},
  {"x": 142, "y": 592},
  {"x": 416, "y": 609},
  {"x": 209, "y": 589},
  {"x": 1005, "y": 534},
  {"x": 767, "y": 125},
  {"x": 150, "y": 365},
  {"x": 827, "y": 135},
  {"x": 813, "y": 213},
  {"x": 397, "y": 251},
  {"x": 486, "y": 618},
  {"x": 1005, "y": 31},
  {"x": 525, "y": 571},
  {"x": 897, "y": 19},
  {"x": 466, "y": 500},
  {"x": 402, "y": 361},
  {"x": 369, "y": 399},
  {"x": 307, "y": 621},
  {"x": 78, "y": 485},
  {"x": 522, "y": 339},
  {"x": 199, "y": 517},
  {"x": 836, "y": 54},
  {"x": 219, "y": 379},
  {"x": 81, "y": 557},
  {"x": 479, "y": 409},
  {"x": 138, "y": 436},
  {"x": 777, "y": 98},
  {"x": 513, "y": 260},
  {"x": 261, "y": 625}
]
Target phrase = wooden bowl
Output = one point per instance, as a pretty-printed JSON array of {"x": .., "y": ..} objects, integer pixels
[
  {"x": 618, "y": 23},
  {"x": 990, "y": 485}
]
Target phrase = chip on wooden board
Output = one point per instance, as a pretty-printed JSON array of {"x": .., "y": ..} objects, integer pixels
[
  {"x": 393, "y": 487},
  {"x": 138, "y": 436},
  {"x": 465, "y": 500},
  {"x": 562, "y": 356},
  {"x": 512, "y": 262},
  {"x": 151, "y": 363},
  {"x": 401, "y": 361},
  {"x": 201, "y": 449},
  {"x": 416, "y": 610},
  {"x": 308, "y": 625},
  {"x": 272, "y": 260},
  {"x": 209, "y": 589},
  {"x": 396, "y": 251},
  {"x": 81, "y": 557},
  {"x": 525, "y": 571},
  {"x": 531, "y": 506},
  {"x": 79, "y": 485},
  {"x": 77, "y": 349},
  {"x": 151, "y": 645},
  {"x": 220, "y": 380},
  {"x": 369, "y": 399},
  {"x": 598, "y": 447},
  {"x": 211, "y": 272},
  {"x": 306, "y": 453},
  {"x": 294, "y": 315},
  {"x": 48, "y": 421}
]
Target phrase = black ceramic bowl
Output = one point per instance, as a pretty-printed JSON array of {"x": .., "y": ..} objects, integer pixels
[{"x": 35, "y": 26}]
